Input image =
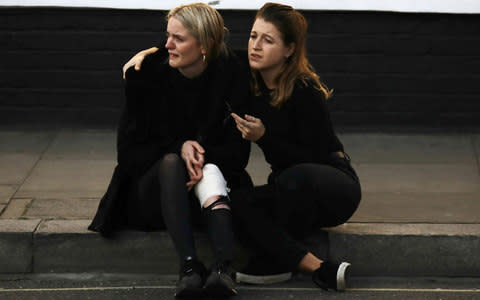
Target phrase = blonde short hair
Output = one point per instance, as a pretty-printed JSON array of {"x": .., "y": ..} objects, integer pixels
[{"x": 205, "y": 23}]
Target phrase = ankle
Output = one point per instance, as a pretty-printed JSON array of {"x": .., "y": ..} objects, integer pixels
[
  {"x": 192, "y": 265},
  {"x": 310, "y": 263}
]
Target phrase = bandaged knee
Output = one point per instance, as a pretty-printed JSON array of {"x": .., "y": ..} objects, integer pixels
[{"x": 212, "y": 184}]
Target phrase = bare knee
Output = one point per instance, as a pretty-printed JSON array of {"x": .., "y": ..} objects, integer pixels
[
  {"x": 210, "y": 201},
  {"x": 217, "y": 202}
]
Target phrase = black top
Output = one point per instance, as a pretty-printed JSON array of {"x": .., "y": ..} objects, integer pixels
[
  {"x": 299, "y": 132},
  {"x": 188, "y": 102}
]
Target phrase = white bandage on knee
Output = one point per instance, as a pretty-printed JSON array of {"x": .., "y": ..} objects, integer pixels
[{"x": 212, "y": 184}]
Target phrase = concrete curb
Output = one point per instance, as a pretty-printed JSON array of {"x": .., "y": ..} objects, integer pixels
[
  {"x": 374, "y": 249},
  {"x": 408, "y": 249}
]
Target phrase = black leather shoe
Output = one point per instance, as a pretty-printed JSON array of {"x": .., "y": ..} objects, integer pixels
[
  {"x": 219, "y": 282},
  {"x": 190, "y": 283}
]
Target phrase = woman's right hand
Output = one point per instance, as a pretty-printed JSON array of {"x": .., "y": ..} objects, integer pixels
[
  {"x": 137, "y": 59},
  {"x": 193, "y": 155},
  {"x": 251, "y": 128},
  {"x": 195, "y": 178}
]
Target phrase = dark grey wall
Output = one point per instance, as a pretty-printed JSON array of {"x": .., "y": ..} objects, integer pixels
[{"x": 64, "y": 65}]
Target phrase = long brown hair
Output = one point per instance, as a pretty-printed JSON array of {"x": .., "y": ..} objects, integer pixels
[{"x": 293, "y": 28}]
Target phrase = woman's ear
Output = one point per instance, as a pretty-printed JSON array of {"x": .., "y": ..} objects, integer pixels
[
  {"x": 290, "y": 50},
  {"x": 210, "y": 44}
]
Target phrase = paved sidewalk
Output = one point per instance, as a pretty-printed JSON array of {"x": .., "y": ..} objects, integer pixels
[{"x": 414, "y": 185}]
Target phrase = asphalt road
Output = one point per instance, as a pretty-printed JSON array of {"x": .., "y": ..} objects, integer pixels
[{"x": 132, "y": 287}]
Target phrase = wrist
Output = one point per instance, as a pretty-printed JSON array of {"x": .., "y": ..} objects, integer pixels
[{"x": 262, "y": 137}]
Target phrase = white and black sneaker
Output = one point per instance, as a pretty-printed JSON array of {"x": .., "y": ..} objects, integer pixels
[
  {"x": 261, "y": 270},
  {"x": 332, "y": 276}
]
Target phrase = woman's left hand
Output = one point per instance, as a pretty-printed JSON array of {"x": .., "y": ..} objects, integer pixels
[
  {"x": 252, "y": 128},
  {"x": 137, "y": 60}
]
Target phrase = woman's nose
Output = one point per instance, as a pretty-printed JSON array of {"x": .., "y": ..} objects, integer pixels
[
  {"x": 169, "y": 44},
  {"x": 256, "y": 44}
]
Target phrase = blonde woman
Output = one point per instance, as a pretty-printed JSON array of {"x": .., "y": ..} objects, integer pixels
[{"x": 178, "y": 150}]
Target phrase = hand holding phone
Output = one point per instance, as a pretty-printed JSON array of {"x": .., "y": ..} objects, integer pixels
[{"x": 251, "y": 128}]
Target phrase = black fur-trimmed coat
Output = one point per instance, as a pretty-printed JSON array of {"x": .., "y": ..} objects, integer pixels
[{"x": 144, "y": 134}]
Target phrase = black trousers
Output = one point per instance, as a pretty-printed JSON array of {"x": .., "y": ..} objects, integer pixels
[
  {"x": 274, "y": 218},
  {"x": 162, "y": 201}
]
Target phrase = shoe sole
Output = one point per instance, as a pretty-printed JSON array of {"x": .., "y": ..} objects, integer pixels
[
  {"x": 262, "y": 279},
  {"x": 215, "y": 287},
  {"x": 219, "y": 290},
  {"x": 342, "y": 273}
]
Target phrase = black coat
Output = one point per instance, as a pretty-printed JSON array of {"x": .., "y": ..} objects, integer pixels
[{"x": 145, "y": 134}]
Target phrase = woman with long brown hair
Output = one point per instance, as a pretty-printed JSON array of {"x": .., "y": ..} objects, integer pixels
[{"x": 312, "y": 183}]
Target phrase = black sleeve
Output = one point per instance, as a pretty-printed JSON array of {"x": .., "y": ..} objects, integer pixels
[
  {"x": 137, "y": 150},
  {"x": 233, "y": 153},
  {"x": 314, "y": 138}
]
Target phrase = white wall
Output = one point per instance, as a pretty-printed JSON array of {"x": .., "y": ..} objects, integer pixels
[{"x": 440, "y": 6}]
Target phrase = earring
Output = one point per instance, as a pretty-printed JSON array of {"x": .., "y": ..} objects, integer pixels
[{"x": 204, "y": 58}]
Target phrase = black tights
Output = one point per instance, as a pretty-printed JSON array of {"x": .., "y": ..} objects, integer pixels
[
  {"x": 163, "y": 195},
  {"x": 272, "y": 219}
]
